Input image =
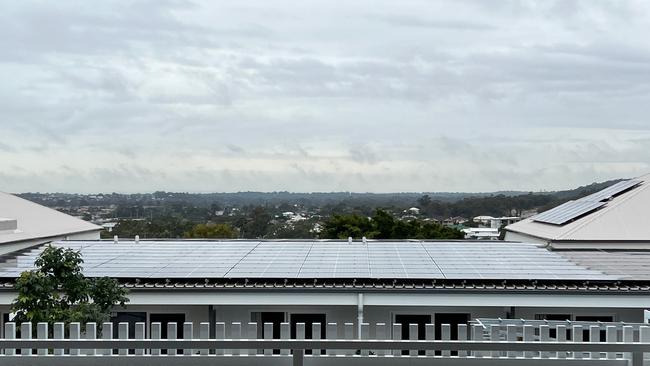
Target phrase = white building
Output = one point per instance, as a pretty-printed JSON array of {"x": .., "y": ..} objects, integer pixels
[
  {"x": 24, "y": 223},
  {"x": 481, "y": 233},
  {"x": 332, "y": 281},
  {"x": 614, "y": 218}
]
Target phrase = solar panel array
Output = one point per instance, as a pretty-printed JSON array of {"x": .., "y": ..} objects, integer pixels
[
  {"x": 315, "y": 259},
  {"x": 571, "y": 210},
  {"x": 567, "y": 212}
]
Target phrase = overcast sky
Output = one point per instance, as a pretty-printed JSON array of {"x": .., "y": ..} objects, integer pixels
[{"x": 370, "y": 96}]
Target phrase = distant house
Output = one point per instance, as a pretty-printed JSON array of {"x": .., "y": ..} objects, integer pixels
[
  {"x": 614, "y": 218},
  {"x": 481, "y": 233},
  {"x": 24, "y": 223}
]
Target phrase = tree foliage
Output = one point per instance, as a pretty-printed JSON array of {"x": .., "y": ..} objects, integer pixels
[
  {"x": 57, "y": 291},
  {"x": 212, "y": 230},
  {"x": 382, "y": 225}
]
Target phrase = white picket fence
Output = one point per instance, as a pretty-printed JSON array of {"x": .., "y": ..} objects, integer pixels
[{"x": 379, "y": 344}]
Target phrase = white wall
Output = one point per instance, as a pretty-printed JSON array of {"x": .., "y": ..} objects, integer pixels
[{"x": 512, "y": 236}]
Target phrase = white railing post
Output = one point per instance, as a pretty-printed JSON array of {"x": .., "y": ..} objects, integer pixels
[
  {"x": 331, "y": 333},
  {"x": 628, "y": 337},
  {"x": 123, "y": 333},
  {"x": 188, "y": 333},
  {"x": 477, "y": 335},
  {"x": 644, "y": 336},
  {"x": 511, "y": 336},
  {"x": 41, "y": 333},
  {"x": 75, "y": 333},
  {"x": 140, "y": 328},
  {"x": 26, "y": 333},
  {"x": 91, "y": 333},
  {"x": 220, "y": 333},
  {"x": 445, "y": 330},
  {"x": 462, "y": 335},
  {"x": 544, "y": 336},
  {"x": 397, "y": 335},
  {"x": 577, "y": 336},
  {"x": 204, "y": 333},
  {"x": 348, "y": 332},
  {"x": 413, "y": 336},
  {"x": 268, "y": 334},
  {"x": 429, "y": 335},
  {"x": 300, "y": 332},
  {"x": 529, "y": 336},
  {"x": 316, "y": 334},
  {"x": 594, "y": 337},
  {"x": 285, "y": 334},
  {"x": 107, "y": 333},
  {"x": 58, "y": 333},
  {"x": 560, "y": 337},
  {"x": 10, "y": 333},
  {"x": 171, "y": 335},
  {"x": 251, "y": 333},
  {"x": 612, "y": 337},
  {"x": 380, "y": 333},
  {"x": 235, "y": 333},
  {"x": 156, "y": 333}
]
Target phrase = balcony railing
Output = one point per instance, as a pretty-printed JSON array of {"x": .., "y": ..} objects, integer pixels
[{"x": 379, "y": 344}]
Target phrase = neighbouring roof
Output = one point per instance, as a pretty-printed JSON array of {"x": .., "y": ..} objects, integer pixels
[
  {"x": 34, "y": 221},
  {"x": 301, "y": 260},
  {"x": 620, "y": 218}
]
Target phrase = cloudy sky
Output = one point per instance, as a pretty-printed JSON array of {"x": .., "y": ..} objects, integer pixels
[{"x": 376, "y": 96}]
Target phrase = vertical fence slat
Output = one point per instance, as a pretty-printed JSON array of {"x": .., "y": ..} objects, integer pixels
[
  {"x": 267, "y": 333},
  {"x": 397, "y": 335},
  {"x": 75, "y": 333},
  {"x": 529, "y": 336},
  {"x": 156, "y": 333},
  {"x": 612, "y": 337},
  {"x": 380, "y": 333},
  {"x": 42, "y": 333},
  {"x": 576, "y": 336},
  {"x": 429, "y": 335},
  {"x": 511, "y": 336},
  {"x": 58, "y": 331},
  {"x": 26, "y": 333},
  {"x": 365, "y": 334},
  {"x": 91, "y": 333},
  {"x": 594, "y": 337},
  {"x": 477, "y": 335},
  {"x": 413, "y": 336},
  {"x": 140, "y": 333},
  {"x": 204, "y": 333},
  {"x": 220, "y": 333},
  {"x": 628, "y": 337},
  {"x": 251, "y": 333},
  {"x": 462, "y": 335},
  {"x": 560, "y": 337},
  {"x": 188, "y": 333},
  {"x": 316, "y": 334},
  {"x": 285, "y": 333},
  {"x": 644, "y": 336},
  {"x": 235, "y": 333},
  {"x": 348, "y": 333},
  {"x": 544, "y": 336},
  {"x": 107, "y": 333},
  {"x": 331, "y": 333},
  {"x": 300, "y": 332},
  {"x": 10, "y": 333},
  {"x": 445, "y": 330},
  {"x": 123, "y": 333},
  {"x": 171, "y": 334}
]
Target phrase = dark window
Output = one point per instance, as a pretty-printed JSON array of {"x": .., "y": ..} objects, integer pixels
[
  {"x": 128, "y": 317},
  {"x": 165, "y": 319},
  {"x": 592, "y": 318},
  {"x": 309, "y": 320},
  {"x": 276, "y": 318},
  {"x": 407, "y": 320}
]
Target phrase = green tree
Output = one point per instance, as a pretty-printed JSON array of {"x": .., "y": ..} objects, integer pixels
[
  {"x": 212, "y": 230},
  {"x": 57, "y": 291}
]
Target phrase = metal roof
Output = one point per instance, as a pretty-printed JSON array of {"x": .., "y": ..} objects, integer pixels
[
  {"x": 628, "y": 265},
  {"x": 623, "y": 218},
  {"x": 34, "y": 221},
  {"x": 454, "y": 260}
]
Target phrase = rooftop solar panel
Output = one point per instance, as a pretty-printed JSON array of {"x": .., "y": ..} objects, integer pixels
[
  {"x": 612, "y": 191},
  {"x": 313, "y": 259},
  {"x": 566, "y": 212}
]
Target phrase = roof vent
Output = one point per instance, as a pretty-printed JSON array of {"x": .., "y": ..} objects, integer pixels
[{"x": 349, "y": 240}]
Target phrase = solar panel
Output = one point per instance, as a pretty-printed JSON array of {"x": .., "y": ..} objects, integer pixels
[
  {"x": 566, "y": 212},
  {"x": 612, "y": 191}
]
